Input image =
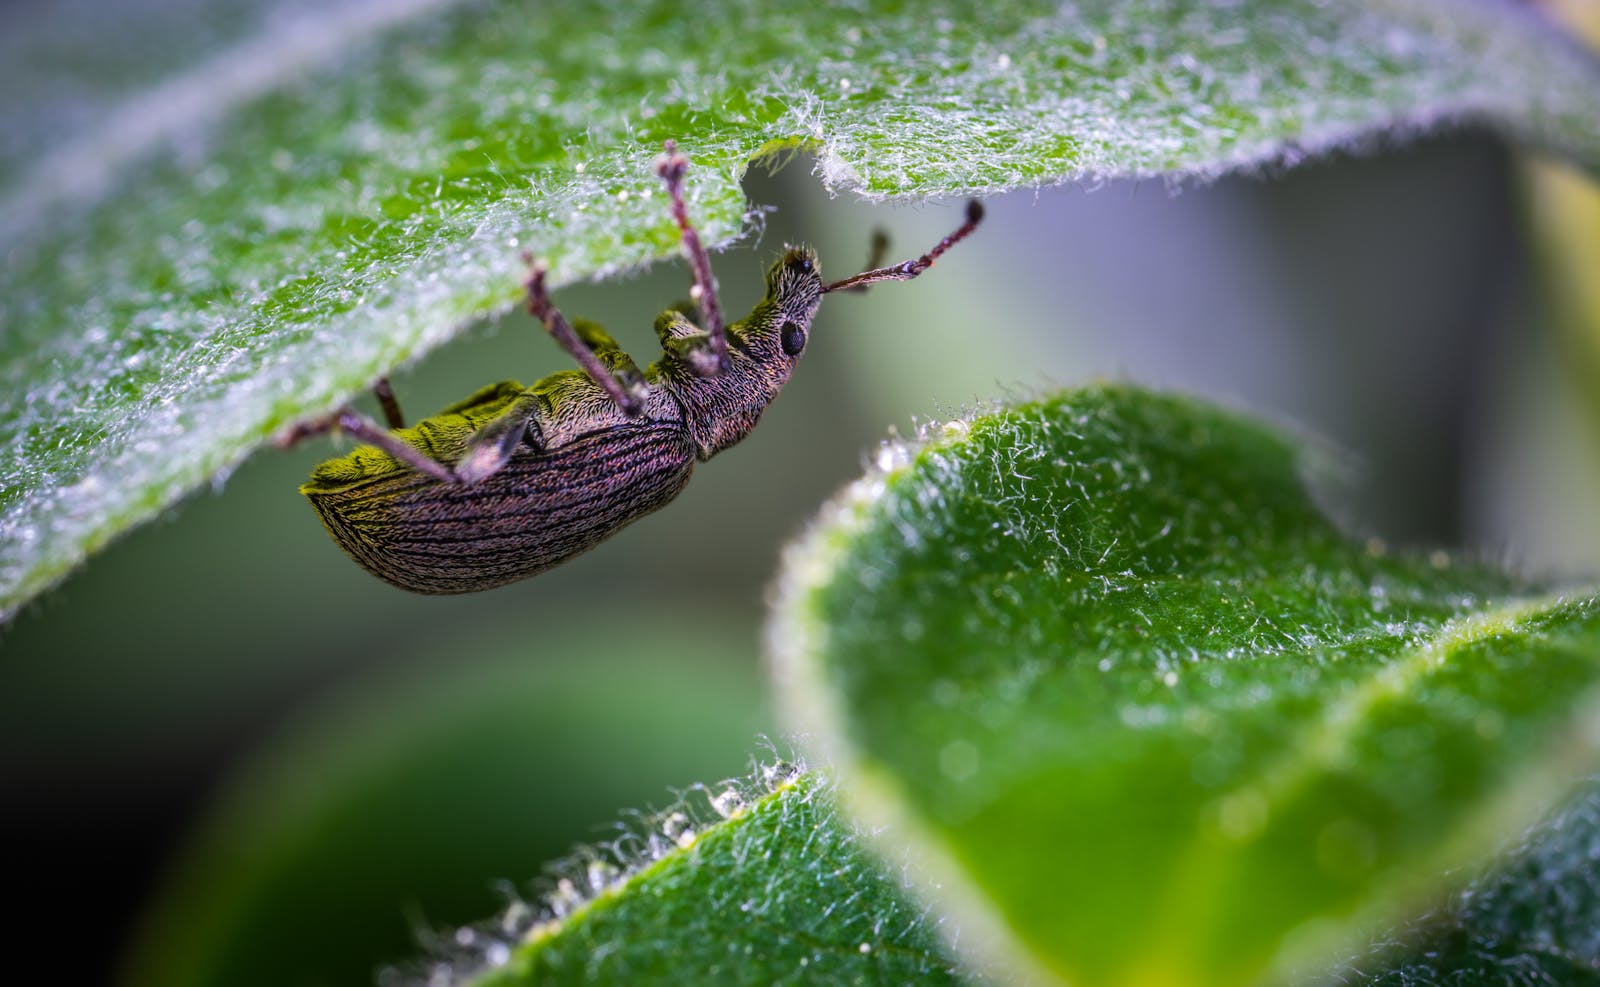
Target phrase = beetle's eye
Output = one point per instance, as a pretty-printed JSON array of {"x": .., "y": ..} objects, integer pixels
[
  {"x": 801, "y": 263},
  {"x": 792, "y": 338}
]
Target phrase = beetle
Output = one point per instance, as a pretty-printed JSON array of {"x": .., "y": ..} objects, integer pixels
[{"x": 514, "y": 480}]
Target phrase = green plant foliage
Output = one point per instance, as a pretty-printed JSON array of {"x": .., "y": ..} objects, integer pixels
[
  {"x": 408, "y": 800},
  {"x": 759, "y": 882},
  {"x": 258, "y": 234},
  {"x": 1532, "y": 918},
  {"x": 1149, "y": 708}
]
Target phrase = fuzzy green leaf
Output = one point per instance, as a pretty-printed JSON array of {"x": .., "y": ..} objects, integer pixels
[
  {"x": 1531, "y": 918},
  {"x": 306, "y": 201},
  {"x": 402, "y": 800},
  {"x": 1161, "y": 719},
  {"x": 757, "y": 883}
]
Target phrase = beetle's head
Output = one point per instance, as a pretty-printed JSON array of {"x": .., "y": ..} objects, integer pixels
[
  {"x": 763, "y": 348},
  {"x": 769, "y": 342},
  {"x": 794, "y": 290}
]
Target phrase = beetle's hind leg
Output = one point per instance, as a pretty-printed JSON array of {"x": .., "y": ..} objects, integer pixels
[
  {"x": 714, "y": 358},
  {"x": 350, "y": 422},
  {"x": 629, "y": 398},
  {"x": 487, "y": 451},
  {"x": 386, "y": 400}
]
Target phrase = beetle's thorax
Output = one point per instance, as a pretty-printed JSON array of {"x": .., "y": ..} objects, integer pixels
[{"x": 763, "y": 349}]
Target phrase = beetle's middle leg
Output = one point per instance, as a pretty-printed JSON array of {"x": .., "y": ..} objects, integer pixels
[
  {"x": 670, "y": 166},
  {"x": 491, "y": 446},
  {"x": 629, "y": 398},
  {"x": 612, "y": 355}
]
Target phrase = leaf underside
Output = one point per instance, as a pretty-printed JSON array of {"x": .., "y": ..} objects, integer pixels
[
  {"x": 1158, "y": 716},
  {"x": 259, "y": 234}
]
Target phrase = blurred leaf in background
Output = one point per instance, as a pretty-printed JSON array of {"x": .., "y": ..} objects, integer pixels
[
  {"x": 401, "y": 805},
  {"x": 1531, "y": 917}
]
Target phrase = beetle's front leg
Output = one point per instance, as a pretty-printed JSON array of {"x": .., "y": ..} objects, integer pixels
[
  {"x": 875, "y": 255},
  {"x": 349, "y": 421},
  {"x": 685, "y": 341},
  {"x": 670, "y": 166}
]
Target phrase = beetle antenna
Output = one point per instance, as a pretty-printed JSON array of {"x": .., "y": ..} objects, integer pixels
[
  {"x": 907, "y": 270},
  {"x": 875, "y": 255}
]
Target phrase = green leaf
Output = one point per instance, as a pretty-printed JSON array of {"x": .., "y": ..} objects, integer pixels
[
  {"x": 758, "y": 882},
  {"x": 306, "y": 201},
  {"x": 1158, "y": 718},
  {"x": 1531, "y": 918},
  {"x": 411, "y": 796}
]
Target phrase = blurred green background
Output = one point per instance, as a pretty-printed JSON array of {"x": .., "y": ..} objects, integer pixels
[{"x": 229, "y": 756}]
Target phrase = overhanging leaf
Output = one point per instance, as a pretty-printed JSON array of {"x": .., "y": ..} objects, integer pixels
[
  {"x": 1149, "y": 707},
  {"x": 260, "y": 235}
]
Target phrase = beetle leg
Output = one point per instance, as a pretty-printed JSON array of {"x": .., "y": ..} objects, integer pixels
[
  {"x": 670, "y": 166},
  {"x": 347, "y": 420},
  {"x": 616, "y": 360},
  {"x": 675, "y": 323},
  {"x": 687, "y": 342},
  {"x": 391, "y": 407},
  {"x": 492, "y": 445},
  {"x": 556, "y": 324}
]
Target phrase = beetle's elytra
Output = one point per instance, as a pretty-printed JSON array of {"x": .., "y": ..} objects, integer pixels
[{"x": 515, "y": 480}]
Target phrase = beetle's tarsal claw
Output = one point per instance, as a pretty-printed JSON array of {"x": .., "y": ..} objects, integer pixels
[
  {"x": 669, "y": 164},
  {"x": 538, "y": 295}
]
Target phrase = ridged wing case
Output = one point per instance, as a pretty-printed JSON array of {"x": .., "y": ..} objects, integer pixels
[{"x": 542, "y": 508}]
